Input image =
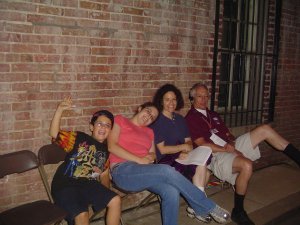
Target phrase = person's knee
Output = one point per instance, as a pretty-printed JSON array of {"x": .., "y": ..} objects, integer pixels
[
  {"x": 244, "y": 164},
  {"x": 170, "y": 194},
  {"x": 247, "y": 166},
  {"x": 82, "y": 218},
  {"x": 265, "y": 128},
  {"x": 167, "y": 171},
  {"x": 115, "y": 202}
]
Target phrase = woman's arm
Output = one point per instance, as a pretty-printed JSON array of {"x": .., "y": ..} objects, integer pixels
[
  {"x": 55, "y": 123},
  {"x": 115, "y": 148},
  {"x": 171, "y": 149},
  {"x": 152, "y": 155}
]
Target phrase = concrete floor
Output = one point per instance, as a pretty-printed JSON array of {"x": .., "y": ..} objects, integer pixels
[{"x": 272, "y": 192}]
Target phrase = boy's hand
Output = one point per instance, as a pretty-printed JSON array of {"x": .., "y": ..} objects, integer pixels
[
  {"x": 96, "y": 172},
  {"x": 66, "y": 104}
]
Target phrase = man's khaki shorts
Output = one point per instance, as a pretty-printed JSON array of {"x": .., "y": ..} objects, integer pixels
[{"x": 221, "y": 163}]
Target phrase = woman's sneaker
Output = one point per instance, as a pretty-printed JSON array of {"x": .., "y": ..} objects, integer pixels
[
  {"x": 191, "y": 213},
  {"x": 220, "y": 215}
]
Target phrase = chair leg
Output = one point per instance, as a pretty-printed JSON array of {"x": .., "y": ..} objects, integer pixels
[
  {"x": 121, "y": 221},
  {"x": 146, "y": 200},
  {"x": 63, "y": 222}
]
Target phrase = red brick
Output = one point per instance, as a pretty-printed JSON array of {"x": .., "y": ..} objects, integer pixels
[
  {"x": 18, "y": 28},
  {"x": 26, "y": 58},
  {"x": 4, "y": 68},
  {"x": 100, "y": 69},
  {"x": 92, "y": 5},
  {"x": 25, "y": 87},
  {"x": 22, "y": 116},
  {"x": 24, "y": 125},
  {"x": 40, "y": 39},
  {"x": 49, "y": 10}
]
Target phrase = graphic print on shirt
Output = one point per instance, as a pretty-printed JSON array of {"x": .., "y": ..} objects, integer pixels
[
  {"x": 83, "y": 154},
  {"x": 82, "y": 162}
]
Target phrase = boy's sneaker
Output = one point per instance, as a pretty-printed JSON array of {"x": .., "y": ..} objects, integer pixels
[
  {"x": 191, "y": 213},
  {"x": 241, "y": 217},
  {"x": 220, "y": 215}
]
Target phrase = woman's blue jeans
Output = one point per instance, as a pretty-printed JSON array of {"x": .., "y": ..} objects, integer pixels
[{"x": 165, "y": 181}]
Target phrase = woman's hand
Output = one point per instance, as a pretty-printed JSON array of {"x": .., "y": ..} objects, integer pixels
[
  {"x": 182, "y": 155},
  {"x": 186, "y": 147},
  {"x": 151, "y": 157},
  {"x": 148, "y": 159}
]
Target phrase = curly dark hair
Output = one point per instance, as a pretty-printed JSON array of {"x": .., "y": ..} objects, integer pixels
[{"x": 158, "y": 97}]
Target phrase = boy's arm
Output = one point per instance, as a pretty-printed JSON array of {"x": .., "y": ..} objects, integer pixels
[{"x": 55, "y": 123}]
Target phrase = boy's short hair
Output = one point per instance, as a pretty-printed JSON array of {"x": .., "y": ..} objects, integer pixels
[{"x": 105, "y": 113}]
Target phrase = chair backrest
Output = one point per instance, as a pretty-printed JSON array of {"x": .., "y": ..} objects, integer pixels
[
  {"x": 40, "y": 212},
  {"x": 17, "y": 162},
  {"x": 49, "y": 154}
]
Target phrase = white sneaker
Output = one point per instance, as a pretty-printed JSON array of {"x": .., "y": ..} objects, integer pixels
[
  {"x": 191, "y": 213},
  {"x": 220, "y": 215}
]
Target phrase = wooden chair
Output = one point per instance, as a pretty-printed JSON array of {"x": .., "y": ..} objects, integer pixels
[{"x": 39, "y": 212}]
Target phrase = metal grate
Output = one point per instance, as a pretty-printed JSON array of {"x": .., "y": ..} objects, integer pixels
[{"x": 243, "y": 56}]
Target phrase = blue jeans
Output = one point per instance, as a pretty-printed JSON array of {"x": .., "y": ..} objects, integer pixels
[{"x": 165, "y": 181}]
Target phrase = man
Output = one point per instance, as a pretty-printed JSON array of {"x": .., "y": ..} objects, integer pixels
[{"x": 232, "y": 158}]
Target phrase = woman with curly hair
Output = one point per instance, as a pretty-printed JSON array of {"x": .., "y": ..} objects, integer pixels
[{"x": 172, "y": 138}]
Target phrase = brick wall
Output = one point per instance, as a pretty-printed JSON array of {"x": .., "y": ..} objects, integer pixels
[
  {"x": 105, "y": 54},
  {"x": 287, "y": 105},
  {"x": 113, "y": 55}
]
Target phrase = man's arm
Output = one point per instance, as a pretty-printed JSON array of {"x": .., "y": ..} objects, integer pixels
[{"x": 215, "y": 148}]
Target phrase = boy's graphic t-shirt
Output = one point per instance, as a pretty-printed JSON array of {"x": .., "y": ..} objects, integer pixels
[{"x": 83, "y": 153}]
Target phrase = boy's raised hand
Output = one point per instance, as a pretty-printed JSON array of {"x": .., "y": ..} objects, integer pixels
[{"x": 65, "y": 104}]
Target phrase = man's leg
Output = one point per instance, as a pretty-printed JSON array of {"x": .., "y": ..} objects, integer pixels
[
  {"x": 266, "y": 133},
  {"x": 243, "y": 167}
]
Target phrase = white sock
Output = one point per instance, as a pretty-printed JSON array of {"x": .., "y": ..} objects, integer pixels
[{"x": 202, "y": 189}]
